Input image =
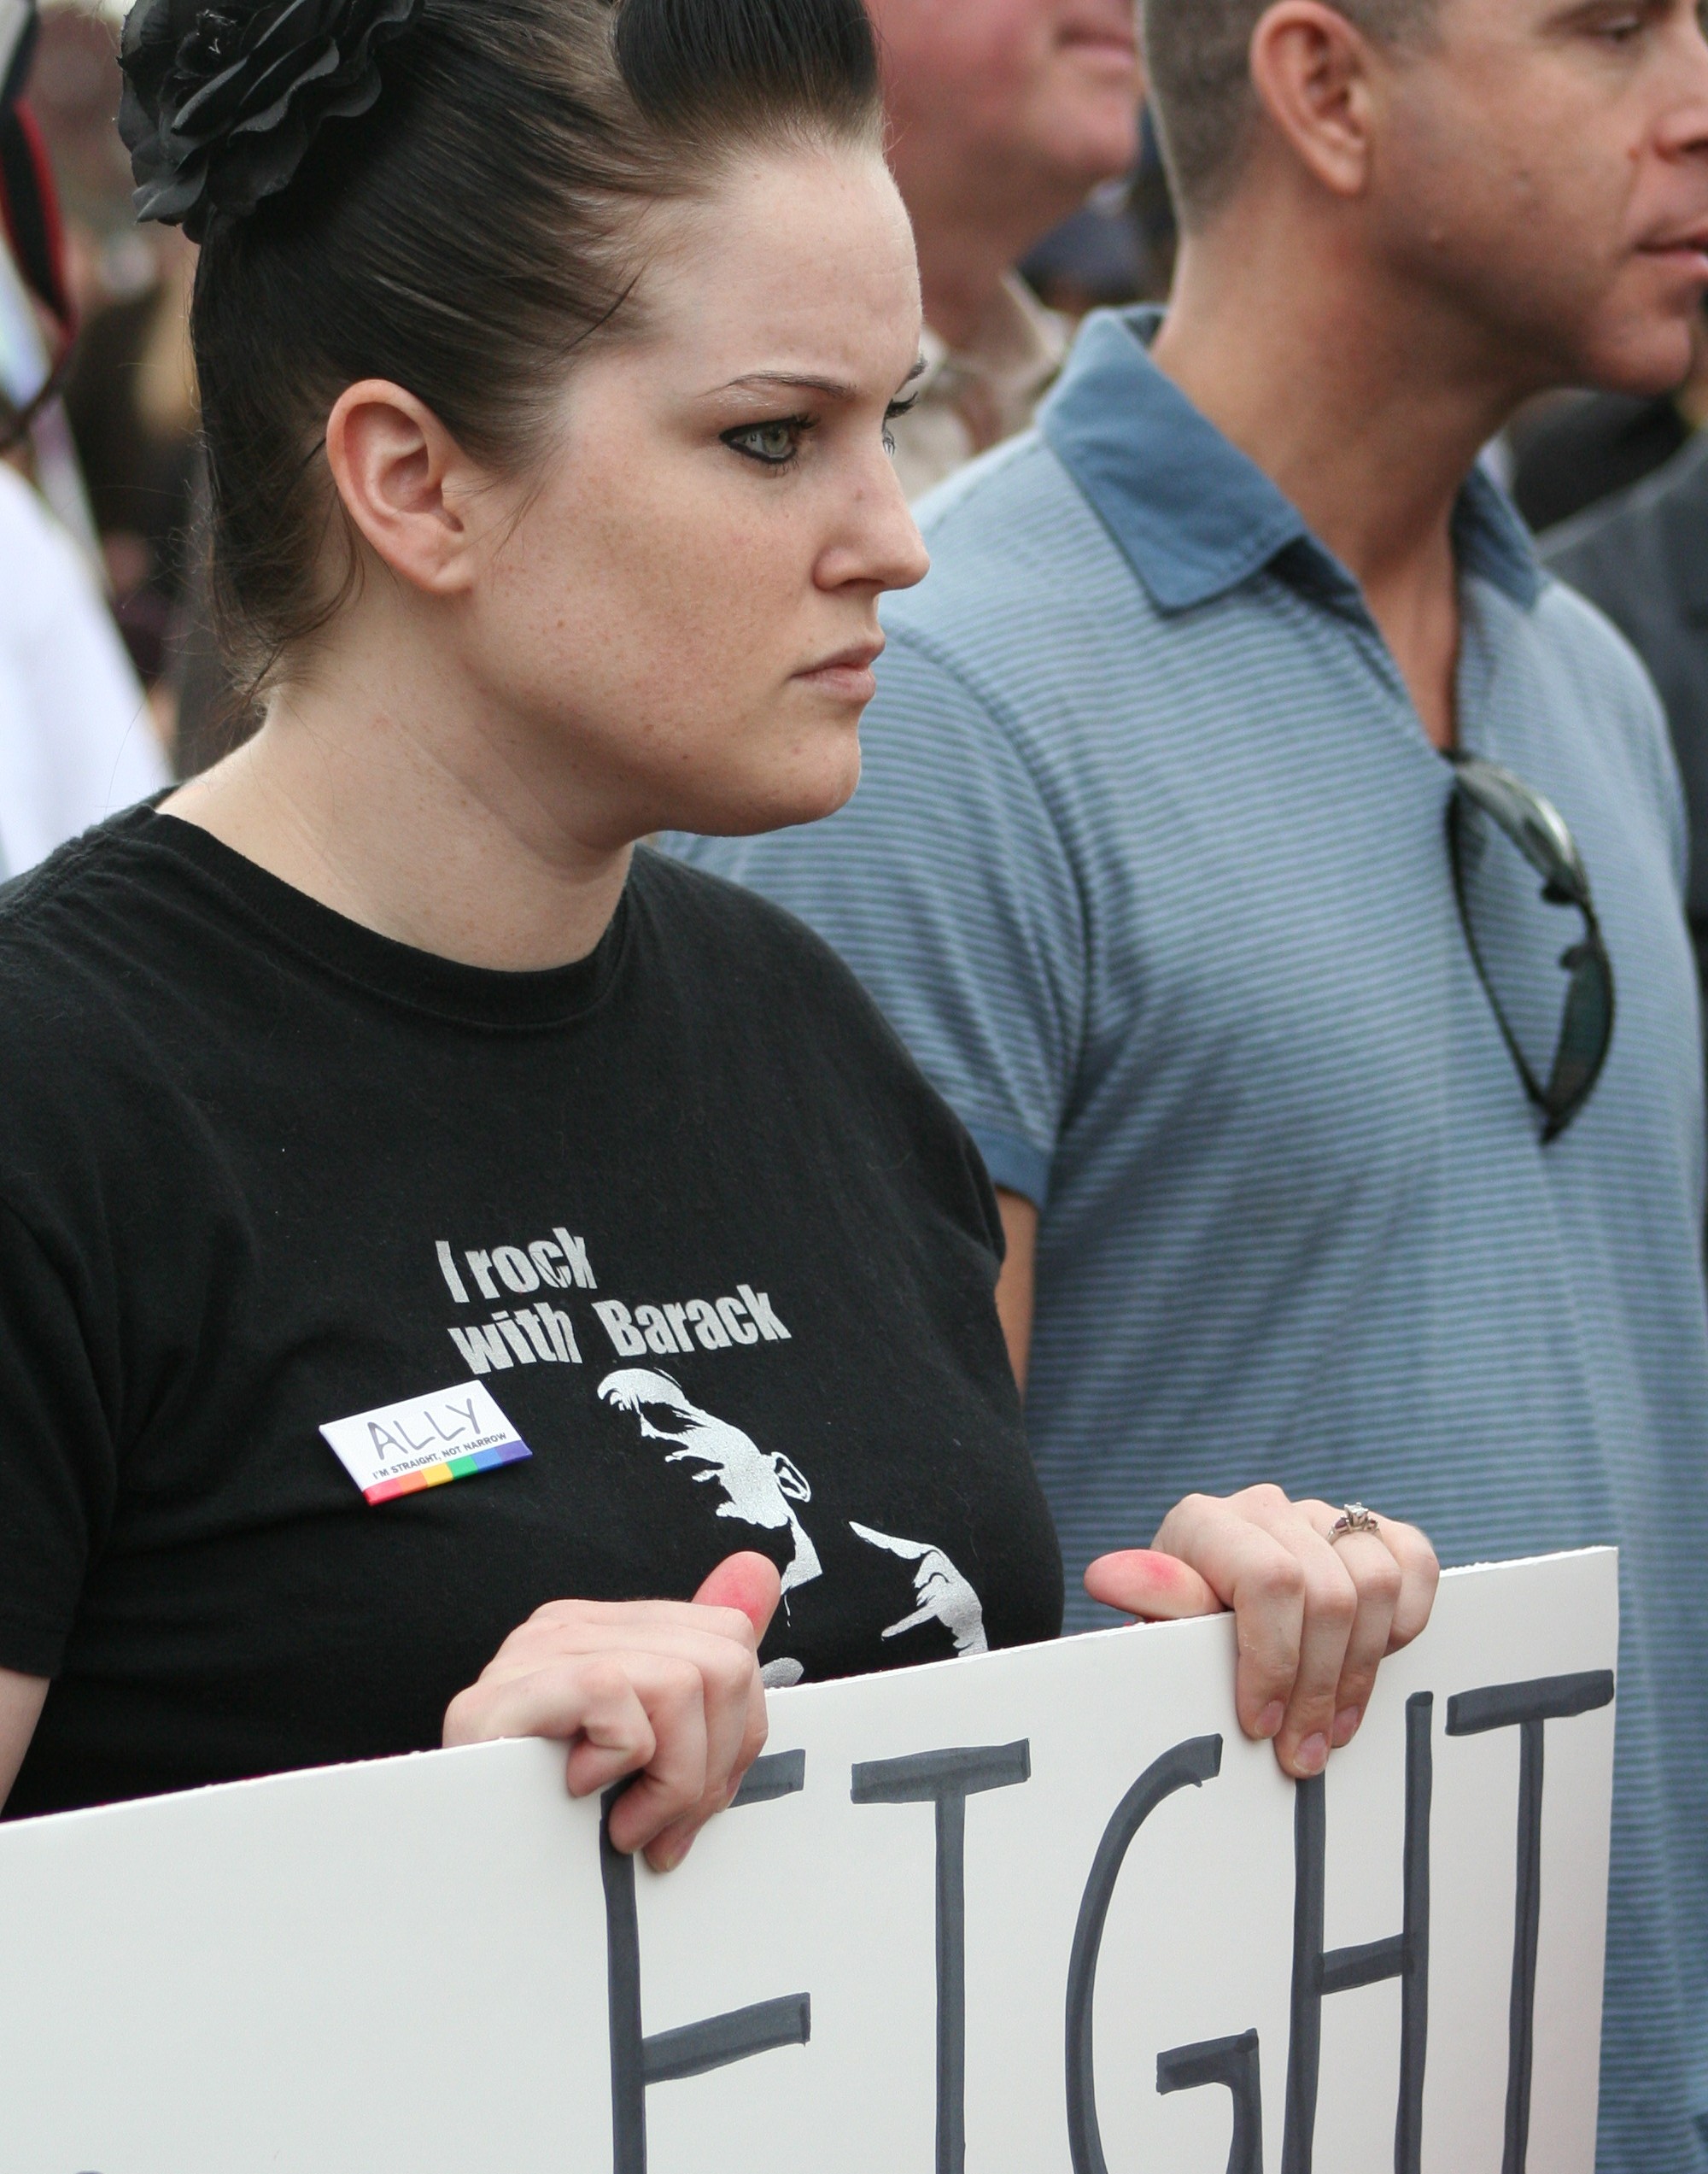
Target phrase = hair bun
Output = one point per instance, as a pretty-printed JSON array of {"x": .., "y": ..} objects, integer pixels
[{"x": 221, "y": 103}]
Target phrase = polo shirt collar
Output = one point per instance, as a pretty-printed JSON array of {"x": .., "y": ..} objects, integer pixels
[
  {"x": 1492, "y": 542},
  {"x": 1193, "y": 513}
]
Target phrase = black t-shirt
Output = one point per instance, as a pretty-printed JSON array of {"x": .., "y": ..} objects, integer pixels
[{"x": 685, "y": 1210}]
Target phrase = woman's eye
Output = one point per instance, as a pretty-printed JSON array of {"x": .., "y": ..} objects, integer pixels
[{"x": 775, "y": 444}]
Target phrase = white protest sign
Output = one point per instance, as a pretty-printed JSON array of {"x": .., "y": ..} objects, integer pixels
[{"x": 1044, "y": 1912}]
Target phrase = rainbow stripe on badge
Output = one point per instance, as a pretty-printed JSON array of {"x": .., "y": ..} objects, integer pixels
[{"x": 441, "y": 1474}]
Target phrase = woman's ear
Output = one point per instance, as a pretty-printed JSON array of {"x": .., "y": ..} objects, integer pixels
[
  {"x": 406, "y": 484},
  {"x": 1311, "y": 70}
]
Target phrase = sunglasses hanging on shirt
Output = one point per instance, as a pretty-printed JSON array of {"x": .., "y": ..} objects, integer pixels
[{"x": 1501, "y": 836}]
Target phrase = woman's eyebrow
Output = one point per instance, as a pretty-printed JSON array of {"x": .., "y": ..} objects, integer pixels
[
  {"x": 803, "y": 381},
  {"x": 793, "y": 381}
]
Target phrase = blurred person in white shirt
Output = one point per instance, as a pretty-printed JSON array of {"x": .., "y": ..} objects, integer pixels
[{"x": 77, "y": 741}]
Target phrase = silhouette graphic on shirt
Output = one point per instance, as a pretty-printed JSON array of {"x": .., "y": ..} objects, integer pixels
[
  {"x": 759, "y": 1489},
  {"x": 944, "y": 1595}
]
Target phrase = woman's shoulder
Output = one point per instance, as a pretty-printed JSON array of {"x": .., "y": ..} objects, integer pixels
[
  {"x": 78, "y": 935},
  {"x": 772, "y": 1001},
  {"x": 81, "y": 1060},
  {"x": 693, "y": 895},
  {"x": 44, "y": 911},
  {"x": 753, "y": 950}
]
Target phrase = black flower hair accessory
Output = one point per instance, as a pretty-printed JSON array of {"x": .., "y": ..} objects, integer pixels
[{"x": 221, "y": 103}]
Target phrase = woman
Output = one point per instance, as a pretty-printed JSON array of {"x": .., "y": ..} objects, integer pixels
[{"x": 378, "y": 1114}]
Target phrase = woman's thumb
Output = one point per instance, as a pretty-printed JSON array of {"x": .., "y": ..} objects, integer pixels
[{"x": 749, "y": 1582}]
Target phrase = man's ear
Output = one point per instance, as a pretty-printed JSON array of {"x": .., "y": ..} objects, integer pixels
[
  {"x": 1311, "y": 70},
  {"x": 406, "y": 484}
]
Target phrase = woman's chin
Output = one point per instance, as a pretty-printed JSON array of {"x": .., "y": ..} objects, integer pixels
[{"x": 784, "y": 802}]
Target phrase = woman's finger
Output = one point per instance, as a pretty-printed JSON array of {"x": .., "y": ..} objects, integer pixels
[
  {"x": 641, "y": 1713},
  {"x": 714, "y": 1638},
  {"x": 1419, "y": 1576},
  {"x": 1156, "y": 1588},
  {"x": 1331, "y": 1615},
  {"x": 1253, "y": 1573},
  {"x": 735, "y": 1729},
  {"x": 1395, "y": 1574},
  {"x": 670, "y": 1692},
  {"x": 1295, "y": 1605},
  {"x": 594, "y": 1695},
  {"x": 672, "y": 1783},
  {"x": 1375, "y": 1577},
  {"x": 672, "y": 1844},
  {"x": 564, "y": 1628}
]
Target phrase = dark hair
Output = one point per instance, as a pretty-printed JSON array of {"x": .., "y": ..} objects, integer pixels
[
  {"x": 469, "y": 235},
  {"x": 1198, "y": 59}
]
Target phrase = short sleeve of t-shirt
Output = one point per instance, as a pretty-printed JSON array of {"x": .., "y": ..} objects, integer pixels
[
  {"x": 57, "y": 1475},
  {"x": 945, "y": 885}
]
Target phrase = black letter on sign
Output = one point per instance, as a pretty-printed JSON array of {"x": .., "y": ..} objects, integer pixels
[
  {"x": 1527, "y": 1707},
  {"x": 1405, "y": 1956},
  {"x": 947, "y": 1780},
  {"x": 1196, "y": 1762},
  {"x": 1232, "y": 2061},
  {"x": 637, "y": 2062}
]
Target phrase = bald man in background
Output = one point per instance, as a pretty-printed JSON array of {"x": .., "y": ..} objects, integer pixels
[{"x": 1004, "y": 116}]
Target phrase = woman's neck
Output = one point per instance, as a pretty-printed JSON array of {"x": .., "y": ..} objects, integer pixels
[{"x": 413, "y": 816}]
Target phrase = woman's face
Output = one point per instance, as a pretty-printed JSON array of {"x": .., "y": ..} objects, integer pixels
[{"x": 678, "y": 617}]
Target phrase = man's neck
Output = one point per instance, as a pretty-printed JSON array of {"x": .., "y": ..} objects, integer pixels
[
  {"x": 960, "y": 281},
  {"x": 1366, "y": 416},
  {"x": 971, "y": 228}
]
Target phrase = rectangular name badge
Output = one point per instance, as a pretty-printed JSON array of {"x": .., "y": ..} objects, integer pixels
[{"x": 424, "y": 1442}]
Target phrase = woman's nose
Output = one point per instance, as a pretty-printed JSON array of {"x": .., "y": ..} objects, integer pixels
[{"x": 880, "y": 546}]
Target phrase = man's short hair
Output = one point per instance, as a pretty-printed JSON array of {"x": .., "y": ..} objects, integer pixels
[{"x": 1198, "y": 56}]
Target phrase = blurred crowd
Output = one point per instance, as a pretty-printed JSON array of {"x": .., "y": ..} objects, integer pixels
[{"x": 130, "y": 393}]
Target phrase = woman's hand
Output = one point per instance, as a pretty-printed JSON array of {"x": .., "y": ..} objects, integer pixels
[
  {"x": 667, "y": 1690},
  {"x": 1314, "y": 1618}
]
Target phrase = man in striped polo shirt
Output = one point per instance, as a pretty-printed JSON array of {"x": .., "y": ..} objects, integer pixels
[{"x": 1330, "y": 1149}]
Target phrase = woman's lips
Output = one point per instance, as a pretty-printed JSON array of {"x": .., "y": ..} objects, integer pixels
[
  {"x": 848, "y": 675},
  {"x": 848, "y": 683}
]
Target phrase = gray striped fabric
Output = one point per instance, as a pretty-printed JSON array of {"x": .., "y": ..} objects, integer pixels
[{"x": 1148, "y": 867}]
